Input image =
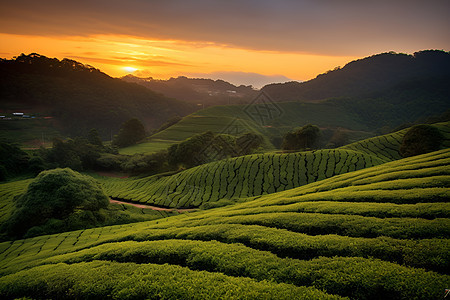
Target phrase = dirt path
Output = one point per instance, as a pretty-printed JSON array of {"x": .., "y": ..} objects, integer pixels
[{"x": 152, "y": 207}]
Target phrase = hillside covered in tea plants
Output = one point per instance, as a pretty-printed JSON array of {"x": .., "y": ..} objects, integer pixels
[
  {"x": 232, "y": 179},
  {"x": 376, "y": 232}
]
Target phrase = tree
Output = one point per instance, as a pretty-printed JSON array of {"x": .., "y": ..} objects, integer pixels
[
  {"x": 94, "y": 138},
  {"x": 148, "y": 164},
  {"x": 131, "y": 132},
  {"x": 306, "y": 137},
  {"x": 339, "y": 138},
  {"x": 421, "y": 139},
  {"x": 55, "y": 194},
  {"x": 190, "y": 152},
  {"x": 64, "y": 154},
  {"x": 249, "y": 142},
  {"x": 13, "y": 160}
]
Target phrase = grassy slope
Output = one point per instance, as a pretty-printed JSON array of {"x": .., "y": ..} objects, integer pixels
[
  {"x": 377, "y": 232},
  {"x": 232, "y": 119},
  {"x": 28, "y": 132},
  {"x": 259, "y": 174},
  {"x": 7, "y": 193}
]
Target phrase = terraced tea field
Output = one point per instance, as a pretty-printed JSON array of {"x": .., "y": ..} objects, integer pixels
[
  {"x": 7, "y": 193},
  {"x": 256, "y": 175},
  {"x": 239, "y": 177},
  {"x": 375, "y": 233},
  {"x": 233, "y": 119}
]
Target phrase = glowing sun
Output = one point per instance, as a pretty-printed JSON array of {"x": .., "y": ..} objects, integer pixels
[{"x": 129, "y": 69}]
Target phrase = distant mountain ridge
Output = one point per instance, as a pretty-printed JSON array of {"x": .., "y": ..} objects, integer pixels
[
  {"x": 206, "y": 92},
  {"x": 80, "y": 97},
  {"x": 366, "y": 76}
]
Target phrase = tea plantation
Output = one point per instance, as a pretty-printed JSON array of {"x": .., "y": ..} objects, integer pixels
[
  {"x": 375, "y": 233},
  {"x": 233, "y": 119},
  {"x": 357, "y": 222},
  {"x": 258, "y": 174}
]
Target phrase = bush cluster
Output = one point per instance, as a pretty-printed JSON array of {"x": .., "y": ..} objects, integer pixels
[
  {"x": 54, "y": 198},
  {"x": 112, "y": 280},
  {"x": 358, "y": 278}
]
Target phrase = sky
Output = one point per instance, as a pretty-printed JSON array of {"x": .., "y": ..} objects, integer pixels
[{"x": 244, "y": 41}]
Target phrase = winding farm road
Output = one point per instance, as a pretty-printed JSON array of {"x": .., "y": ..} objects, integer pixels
[{"x": 152, "y": 207}]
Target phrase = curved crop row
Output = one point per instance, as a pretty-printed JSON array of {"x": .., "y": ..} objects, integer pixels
[
  {"x": 367, "y": 275},
  {"x": 366, "y": 209},
  {"x": 420, "y": 179},
  {"x": 346, "y": 225},
  {"x": 7, "y": 193},
  {"x": 112, "y": 280},
  {"x": 240, "y": 177},
  {"x": 387, "y": 146}
]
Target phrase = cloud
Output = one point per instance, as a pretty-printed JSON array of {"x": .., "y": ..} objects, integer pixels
[
  {"x": 327, "y": 27},
  {"x": 243, "y": 78},
  {"x": 125, "y": 61}
]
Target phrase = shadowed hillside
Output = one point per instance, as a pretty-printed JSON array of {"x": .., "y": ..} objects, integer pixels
[
  {"x": 366, "y": 76},
  {"x": 384, "y": 90},
  {"x": 79, "y": 97},
  {"x": 198, "y": 91}
]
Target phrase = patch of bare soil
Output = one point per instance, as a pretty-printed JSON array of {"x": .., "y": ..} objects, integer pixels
[{"x": 152, "y": 207}]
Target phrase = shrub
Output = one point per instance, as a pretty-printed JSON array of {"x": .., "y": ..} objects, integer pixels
[
  {"x": 12, "y": 160},
  {"x": 421, "y": 139},
  {"x": 248, "y": 143},
  {"x": 147, "y": 163},
  {"x": 306, "y": 137},
  {"x": 131, "y": 132},
  {"x": 55, "y": 194}
]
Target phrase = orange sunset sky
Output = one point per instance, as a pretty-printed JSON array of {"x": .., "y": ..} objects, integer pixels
[{"x": 248, "y": 42}]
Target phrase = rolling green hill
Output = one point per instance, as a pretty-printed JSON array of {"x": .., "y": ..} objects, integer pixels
[
  {"x": 380, "y": 232},
  {"x": 240, "y": 177},
  {"x": 235, "y": 120},
  {"x": 258, "y": 174}
]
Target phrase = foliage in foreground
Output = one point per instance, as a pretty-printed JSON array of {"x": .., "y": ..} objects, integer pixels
[
  {"x": 353, "y": 277},
  {"x": 112, "y": 280}
]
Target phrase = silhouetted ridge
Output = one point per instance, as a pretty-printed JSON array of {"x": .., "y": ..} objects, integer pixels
[
  {"x": 80, "y": 97},
  {"x": 365, "y": 76}
]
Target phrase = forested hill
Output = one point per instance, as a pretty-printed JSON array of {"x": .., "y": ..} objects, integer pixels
[
  {"x": 371, "y": 76},
  {"x": 79, "y": 97},
  {"x": 198, "y": 90}
]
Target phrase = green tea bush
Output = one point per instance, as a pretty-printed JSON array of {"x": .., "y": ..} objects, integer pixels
[
  {"x": 345, "y": 225},
  {"x": 359, "y": 278},
  {"x": 112, "y": 280},
  {"x": 425, "y": 253}
]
